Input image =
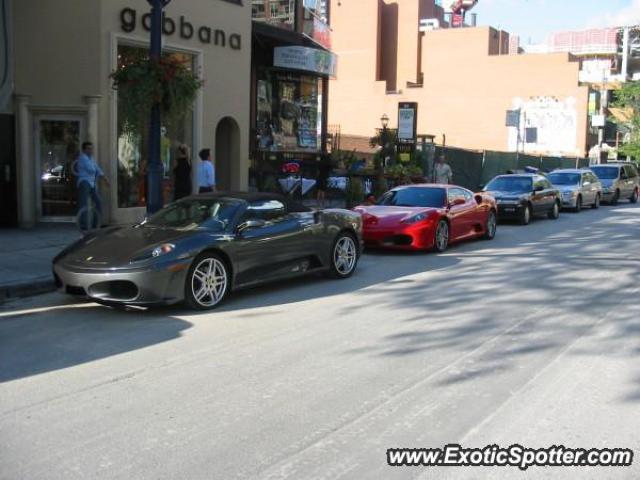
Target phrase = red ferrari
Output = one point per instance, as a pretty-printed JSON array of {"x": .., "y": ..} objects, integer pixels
[{"x": 422, "y": 217}]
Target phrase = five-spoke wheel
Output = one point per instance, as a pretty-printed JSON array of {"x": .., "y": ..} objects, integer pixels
[
  {"x": 344, "y": 256},
  {"x": 207, "y": 282}
]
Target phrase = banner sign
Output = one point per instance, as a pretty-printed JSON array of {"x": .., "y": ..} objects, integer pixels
[
  {"x": 307, "y": 59},
  {"x": 407, "y": 122}
]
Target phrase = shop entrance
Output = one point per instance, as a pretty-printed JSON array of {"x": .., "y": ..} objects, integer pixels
[
  {"x": 227, "y": 159},
  {"x": 57, "y": 147}
]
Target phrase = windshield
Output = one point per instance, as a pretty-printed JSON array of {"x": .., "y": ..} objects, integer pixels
[
  {"x": 608, "y": 173},
  {"x": 211, "y": 213},
  {"x": 565, "y": 178},
  {"x": 414, "y": 197},
  {"x": 510, "y": 184}
]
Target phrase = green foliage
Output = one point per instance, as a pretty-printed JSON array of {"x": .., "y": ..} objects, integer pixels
[
  {"x": 628, "y": 98},
  {"x": 380, "y": 187},
  {"x": 143, "y": 82},
  {"x": 355, "y": 191}
]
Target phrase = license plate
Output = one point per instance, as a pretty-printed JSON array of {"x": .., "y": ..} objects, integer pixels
[{"x": 510, "y": 210}]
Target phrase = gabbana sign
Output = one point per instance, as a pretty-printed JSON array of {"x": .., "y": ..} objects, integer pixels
[
  {"x": 184, "y": 29},
  {"x": 306, "y": 59}
]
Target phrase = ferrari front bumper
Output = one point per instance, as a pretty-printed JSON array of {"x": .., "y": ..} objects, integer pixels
[
  {"x": 163, "y": 284},
  {"x": 412, "y": 237}
]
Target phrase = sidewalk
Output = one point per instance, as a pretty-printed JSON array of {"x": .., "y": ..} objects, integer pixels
[{"x": 25, "y": 258}]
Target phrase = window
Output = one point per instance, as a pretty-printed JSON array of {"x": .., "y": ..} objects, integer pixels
[
  {"x": 210, "y": 213},
  {"x": 541, "y": 183},
  {"x": 414, "y": 197},
  {"x": 269, "y": 210},
  {"x": 132, "y": 152},
  {"x": 631, "y": 171},
  {"x": 457, "y": 194},
  {"x": 288, "y": 111}
]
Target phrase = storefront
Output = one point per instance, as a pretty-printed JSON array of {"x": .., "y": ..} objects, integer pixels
[
  {"x": 291, "y": 66},
  {"x": 63, "y": 97}
]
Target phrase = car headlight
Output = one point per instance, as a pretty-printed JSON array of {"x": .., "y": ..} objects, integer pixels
[
  {"x": 156, "y": 252},
  {"x": 416, "y": 218},
  {"x": 162, "y": 249}
]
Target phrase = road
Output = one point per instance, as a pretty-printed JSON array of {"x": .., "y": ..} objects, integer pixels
[{"x": 532, "y": 338}]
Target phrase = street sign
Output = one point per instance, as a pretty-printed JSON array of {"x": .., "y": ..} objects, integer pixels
[
  {"x": 598, "y": 121},
  {"x": 407, "y": 122}
]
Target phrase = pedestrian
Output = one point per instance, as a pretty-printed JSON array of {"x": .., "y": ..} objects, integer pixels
[
  {"x": 442, "y": 172},
  {"x": 87, "y": 173},
  {"x": 206, "y": 172},
  {"x": 324, "y": 170},
  {"x": 182, "y": 173}
]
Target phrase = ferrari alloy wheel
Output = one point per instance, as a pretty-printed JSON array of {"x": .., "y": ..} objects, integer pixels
[
  {"x": 492, "y": 225},
  {"x": 596, "y": 202},
  {"x": 578, "y": 206},
  {"x": 554, "y": 213},
  {"x": 634, "y": 196},
  {"x": 525, "y": 218},
  {"x": 344, "y": 256},
  {"x": 207, "y": 282},
  {"x": 442, "y": 236}
]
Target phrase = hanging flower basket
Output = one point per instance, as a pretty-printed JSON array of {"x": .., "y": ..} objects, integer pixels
[{"x": 143, "y": 82}]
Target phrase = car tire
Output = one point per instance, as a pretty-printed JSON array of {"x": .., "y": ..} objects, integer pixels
[
  {"x": 491, "y": 226},
  {"x": 344, "y": 256},
  {"x": 207, "y": 283},
  {"x": 441, "y": 236},
  {"x": 525, "y": 218},
  {"x": 615, "y": 198},
  {"x": 596, "y": 202},
  {"x": 554, "y": 213},
  {"x": 634, "y": 196},
  {"x": 578, "y": 206}
]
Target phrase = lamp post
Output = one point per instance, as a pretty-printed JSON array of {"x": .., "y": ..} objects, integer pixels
[
  {"x": 384, "y": 138},
  {"x": 155, "y": 168}
]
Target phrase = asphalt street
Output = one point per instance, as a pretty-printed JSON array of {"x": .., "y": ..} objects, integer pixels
[{"x": 532, "y": 338}]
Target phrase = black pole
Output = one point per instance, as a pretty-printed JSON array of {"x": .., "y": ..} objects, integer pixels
[{"x": 155, "y": 169}]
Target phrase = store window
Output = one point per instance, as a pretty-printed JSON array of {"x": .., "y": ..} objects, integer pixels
[
  {"x": 133, "y": 151},
  {"x": 289, "y": 111}
]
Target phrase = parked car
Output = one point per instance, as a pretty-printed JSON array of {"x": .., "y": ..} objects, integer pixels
[
  {"x": 522, "y": 196},
  {"x": 426, "y": 216},
  {"x": 201, "y": 247},
  {"x": 620, "y": 181},
  {"x": 579, "y": 187}
]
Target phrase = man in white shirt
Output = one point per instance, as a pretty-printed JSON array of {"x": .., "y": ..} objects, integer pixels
[
  {"x": 206, "y": 172},
  {"x": 442, "y": 172}
]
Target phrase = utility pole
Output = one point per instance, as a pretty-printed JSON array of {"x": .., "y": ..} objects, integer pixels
[{"x": 155, "y": 169}]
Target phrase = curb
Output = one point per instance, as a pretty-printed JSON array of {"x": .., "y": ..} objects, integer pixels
[{"x": 26, "y": 289}]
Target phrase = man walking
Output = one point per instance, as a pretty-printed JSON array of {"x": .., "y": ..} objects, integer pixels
[
  {"x": 442, "y": 172},
  {"x": 87, "y": 172},
  {"x": 206, "y": 172}
]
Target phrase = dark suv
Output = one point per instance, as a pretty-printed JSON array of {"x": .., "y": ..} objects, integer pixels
[
  {"x": 520, "y": 196},
  {"x": 620, "y": 181}
]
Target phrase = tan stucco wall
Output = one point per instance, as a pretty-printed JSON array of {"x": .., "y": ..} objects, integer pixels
[
  {"x": 65, "y": 50},
  {"x": 466, "y": 91}
]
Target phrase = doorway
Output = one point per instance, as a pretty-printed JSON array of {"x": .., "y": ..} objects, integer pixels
[
  {"x": 8, "y": 178},
  {"x": 227, "y": 159},
  {"x": 57, "y": 147}
]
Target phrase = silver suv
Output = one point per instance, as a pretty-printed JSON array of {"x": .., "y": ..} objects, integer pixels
[
  {"x": 577, "y": 187},
  {"x": 619, "y": 181}
]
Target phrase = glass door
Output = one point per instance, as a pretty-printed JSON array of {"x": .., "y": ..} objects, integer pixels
[{"x": 58, "y": 140}]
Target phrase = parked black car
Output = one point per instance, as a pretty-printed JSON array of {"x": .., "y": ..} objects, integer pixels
[
  {"x": 521, "y": 196},
  {"x": 201, "y": 247}
]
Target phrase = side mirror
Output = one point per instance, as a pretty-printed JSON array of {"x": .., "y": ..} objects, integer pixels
[
  {"x": 317, "y": 215},
  {"x": 538, "y": 188},
  {"x": 250, "y": 224},
  {"x": 457, "y": 201}
]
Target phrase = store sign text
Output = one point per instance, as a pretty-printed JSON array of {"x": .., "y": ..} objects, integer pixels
[{"x": 184, "y": 29}]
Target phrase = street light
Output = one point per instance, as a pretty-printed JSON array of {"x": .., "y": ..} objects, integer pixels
[
  {"x": 155, "y": 169},
  {"x": 384, "y": 120}
]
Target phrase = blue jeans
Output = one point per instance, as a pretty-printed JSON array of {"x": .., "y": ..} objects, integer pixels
[{"x": 85, "y": 190}]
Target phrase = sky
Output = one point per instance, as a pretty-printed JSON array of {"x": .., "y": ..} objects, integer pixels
[{"x": 535, "y": 19}]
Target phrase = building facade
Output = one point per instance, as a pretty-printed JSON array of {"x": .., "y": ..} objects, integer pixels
[
  {"x": 464, "y": 80},
  {"x": 62, "y": 96}
]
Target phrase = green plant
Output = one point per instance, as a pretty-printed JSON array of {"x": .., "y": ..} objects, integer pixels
[
  {"x": 355, "y": 191},
  {"x": 142, "y": 82},
  {"x": 628, "y": 101}
]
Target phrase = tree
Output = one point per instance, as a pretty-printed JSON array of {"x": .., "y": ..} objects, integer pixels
[{"x": 627, "y": 108}]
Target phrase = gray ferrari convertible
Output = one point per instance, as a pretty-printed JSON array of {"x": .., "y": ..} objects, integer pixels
[{"x": 200, "y": 248}]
